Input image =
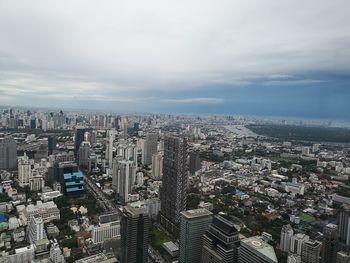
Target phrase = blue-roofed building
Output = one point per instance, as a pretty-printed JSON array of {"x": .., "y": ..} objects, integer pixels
[{"x": 73, "y": 182}]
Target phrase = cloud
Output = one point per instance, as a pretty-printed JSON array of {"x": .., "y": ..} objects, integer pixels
[
  {"x": 196, "y": 101},
  {"x": 293, "y": 82}
]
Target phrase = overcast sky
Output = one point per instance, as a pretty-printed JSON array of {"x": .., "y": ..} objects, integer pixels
[{"x": 281, "y": 58}]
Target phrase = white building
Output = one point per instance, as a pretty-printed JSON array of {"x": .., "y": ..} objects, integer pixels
[
  {"x": 56, "y": 255},
  {"x": 123, "y": 178},
  {"x": 36, "y": 182},
  {"x": 296, "y": 243},
  {"x": 293, "y": 258},
  {"x": 36, "y": 228},
  {"x": 103, "y": 232},
  {"x": 286, "y": 237},
  {"x": 109, "y": 146},
  {"x": 24, "y": 170},
  {"x": 21, "y": 255}
]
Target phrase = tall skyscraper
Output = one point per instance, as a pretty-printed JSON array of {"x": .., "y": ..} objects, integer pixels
[
  {"x": 78, "y": 139},
  {"x": 286, "y": 237},
  {"x": 195, "y": 162},
  {"x": 52, "y": 144},
  {"x": 255, "y": 250},
  {"x": 344, "y": 225},
  {"x": 193, "y": 225},
  {"x": 219, "y": 241},
  {"x": 84, "y": 155},
  {"x": 330, "y": 243},
  {"x": 109, "y": 146},
  {"x": 157, "y": 166},
  {"x": 8, "y": 154},
  {"x": 150, "y": 148},
  {"x": 24, "y": 170},
  {"x": 135, "y": 225},
  {"x": 123, "y": 178},
  {"x": 173, "y": 191},
  {"x": 311, "y": 251}
]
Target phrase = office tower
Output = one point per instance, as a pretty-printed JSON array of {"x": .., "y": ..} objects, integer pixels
[
  {"x": 24, "y": 170},
  {"x": 344, "y": 224},
  {"x": 297, "y": 242},
  {"x": 173, "y": 190},
  {"x": 78, "y": 139},
  {"x": 35, "y": 228},
  {"x": 157, "y": 166},
  {"x": 135, "y": 225},
  {"x": 310, "y": 251},
  {"x": 343, "y": 257},
  {"x": 127, "y": 151},
  {"x": 330, "y": 243},
  {"x": 286, "y": 237},
  {"x": 219, "y": 241},
  {"x": 150, "y": 148},
  {"x": 52, "y": 144},
  {"x": 42, "y": 150},
  {"x": 108, "y": 228},
  {"x": 195, "y": 162},
  {"x": 123, "y": 178},
  {"x": 73, "y": 183},
  {"x": 109, "y": 146},
  {"x": 8, "y": 154},
  {"x": 193, "y": 224},
  {"x": 255, "y": 250},
  {"x": 84, "y": 155}
]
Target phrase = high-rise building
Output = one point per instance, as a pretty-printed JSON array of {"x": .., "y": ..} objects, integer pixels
[
  {"x": 173, "y": 190},
  {"x": 343, "y": 257},
  {"x": 255, "y": 250},
  {"x": 219, "y": 241},
  {"x": 36, "y": 228},
  {"x": 78, "y": 139},
  {"x": 24, "y": 170},
  {"x": 150, "y": 148},
  {"x": 195, "y": 162},
  {"x": 193, "y": 225},
  {"x": 135, "y": 224},
  {"x": 344, "y": 225},
  {"x": 109, "y": 146},
  {"x": 157, "y": 166},
  {"x": 286, "y": 237},
  {"x": 84, "y": 154},
  {"x": 330, "y": 243},
  {"x": 8, "y": 154},
  {"x": 52, "y": 144},
  {"x": 297, "y": 242},
  {"x": 123, "y": 178},
  {"x": 311, "y": 251}
]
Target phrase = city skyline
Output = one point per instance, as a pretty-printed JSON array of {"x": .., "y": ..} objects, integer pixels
[{"x": 271, "y": 59}]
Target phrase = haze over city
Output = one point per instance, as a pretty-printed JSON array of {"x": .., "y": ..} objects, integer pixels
[{"x": 274, "y": 58}]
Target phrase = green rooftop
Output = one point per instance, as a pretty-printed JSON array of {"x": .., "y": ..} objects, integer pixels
[{"x": 261, "y": 247}]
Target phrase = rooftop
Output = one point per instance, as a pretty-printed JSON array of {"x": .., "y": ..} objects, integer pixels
[
  {"x": 261, "y": 247},
  {"x": 196, "y": 213}
]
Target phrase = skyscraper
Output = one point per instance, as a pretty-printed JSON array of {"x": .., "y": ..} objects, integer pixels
[
  {"x": 123, "y": 178},
  {"x": 311, "y": 251},
  {"x": 219, "y": 241},
  {"x": 195, "y": 162},
  {"x": 255, "y": 250},
  {"x": 24, "y": 170},
  {"x": 157, "y": 166},
  {"x": 286, "y": 237},
  {"x": 193, "y": 225},
  {"x": 297, "y": 243},
  {"x": 109, "y": 146},
  {"x": 343, "y": 257},
  {"x": 135, "y": 225},
  {"x": 78, "y": 139},
  {"x": 8, "y": 154},
  {"x": 173, "y": 191},
  {"x": 330, "y": 245},
  {"x": 344, "y": 225},
  {"x": 150, "y": 148},
  {"x": 84, "y": 154}
]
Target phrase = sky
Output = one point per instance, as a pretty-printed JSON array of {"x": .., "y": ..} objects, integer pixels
[{"x": 271, "y": 58}]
